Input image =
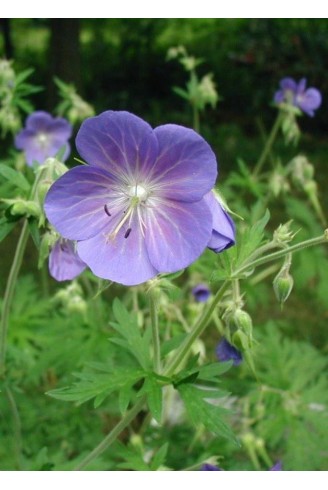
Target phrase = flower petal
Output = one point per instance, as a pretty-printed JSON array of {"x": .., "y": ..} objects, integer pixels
[
  {"x": 223, "y": 233},
  {"x": 176, "y": 233},
  {"x": 75, "y": 203},
  {"x": 186, "y": 167},
  {"x": 118, "y": 142},
  {"x": 122, "y": 260},
  {"x": 64, "y": 263},
  {"x": 39, "y": 121},
  {"x": 309, "y": 101},
  {"x": 288, "y": 84}
]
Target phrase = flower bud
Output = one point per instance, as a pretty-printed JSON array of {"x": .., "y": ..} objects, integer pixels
[
  {"x": 243, "y": 321},
  {"x": 283, "y": 285},
  {"x": 25, "y": 208},
  {"x": 241, "y": 340}
]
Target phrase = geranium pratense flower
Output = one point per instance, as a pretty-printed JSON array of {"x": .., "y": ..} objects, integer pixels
[
  {"x": 201, "y": 293},
  {"x": 43, "y": 136},
  {"x": 226, "y": 352},
  {"x": 141, "y": 206},
  {"x": 64, "y": 263},
  {"x": 308, "y": 100}
]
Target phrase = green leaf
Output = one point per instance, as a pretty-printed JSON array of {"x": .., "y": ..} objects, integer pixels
[
  {"x": 97, "y": 385},
  {"x": 5, "y": 227},
  {"x": 15, "y": 178},
  {"x": 209, "y": 372},
  {"x": 159, "y": 458},
  {"x": 202, "y": 412},
  {"x": 124, "y": 397},
  {"x": 182, "y": 93},
  {"x": 154, "y": 394},
  {"x": 35, "y": 232},
  {"x": 251, "y": 238},
  {"x": 20, "y": 77},
  {"x": 134, "y": 340}
]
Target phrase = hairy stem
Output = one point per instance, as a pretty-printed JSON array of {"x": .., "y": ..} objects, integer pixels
[
  {"x": 155, "y": 332},
  {"x": 16, "y": 426},
  {"x": 268, "y": 146},
  {"x": 114, "y": 433},
  {"x": 195, "y": 332},
  {"x": 9, "y": 294}
]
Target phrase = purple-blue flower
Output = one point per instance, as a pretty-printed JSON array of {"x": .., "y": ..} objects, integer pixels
[
  {"x": 227, "y": 352},
  {"x": 64, "y": 263},
  {"x": 276, "y": 467},
  {"x": 308, "y": 100},
  {"x": 201, "y": 293},
  {"x": 43, "y": 136},
  {"x": 210, "y": 467},
  {"x": 143, "y": 205}
]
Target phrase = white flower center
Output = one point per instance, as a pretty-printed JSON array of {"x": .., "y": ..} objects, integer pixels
[
  {"x": 42, "y": 139},
  {"x": 138, "y": 191}
]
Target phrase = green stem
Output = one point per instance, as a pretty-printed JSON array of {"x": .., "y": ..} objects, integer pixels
[
  {"x": 281, "y": 253},
  {"x": 9, "y": 293},
  {"x": 17, "y": 427},
  {"x": 195, "y": 332},
  {"x": 155, "y": 332},
  {"x": 111, "y": 437},
  {"x": 196, "y": 123},
  {"x": 268, "y": 146},
  {"x": 11, "y": 283}
]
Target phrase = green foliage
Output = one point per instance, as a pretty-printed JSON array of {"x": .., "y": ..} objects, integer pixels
[{"x": 130, "y": 336}]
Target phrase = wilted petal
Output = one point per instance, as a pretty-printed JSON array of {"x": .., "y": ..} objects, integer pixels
[
  {"x": 75, "y": 203},
  {"x": 223, "y": 233},
  {"x": 176, "y": 233},
  {"x": 186, "y": 167},
  {"x": 119, "y": 259},
  {"x": 118, "y": 142},
  {"x": 64, "y": 263}
]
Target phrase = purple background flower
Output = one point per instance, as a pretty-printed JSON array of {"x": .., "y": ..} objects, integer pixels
[
  {"x": 43, "y": 136},
  {"x": 64, "y": 263},
  {"x": 308, "y": 100},
  {"x": 210, "y": 467},
  {"x": 201, "y": 293},
  {"x": 139, "y": 207},
  {"x": 226, "y": 352}
]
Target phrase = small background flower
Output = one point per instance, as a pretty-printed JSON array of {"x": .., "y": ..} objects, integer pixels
[
  {"x": 201, "y": 293},
  {"x": 43, "y": 136},
  {"x": 308, "y": 100},
  {"x": 227, "y": 352}
]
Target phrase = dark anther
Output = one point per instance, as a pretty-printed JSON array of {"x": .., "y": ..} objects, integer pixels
[
  {"x": 106, "y": 210},
  {"x": 127, "y": 233}
]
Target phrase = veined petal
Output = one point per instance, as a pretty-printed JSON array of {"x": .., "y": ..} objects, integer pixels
[
  {"x": 75, "y": 203},
  {"x": 176, "y": 233},
  {"x": 223, "y": 233},
  {"x": 64, "y": 263},
  {"x": 123, "y": 259},
  {"x": 120, "y": 143},
  {"x": 186, "y": 167}
]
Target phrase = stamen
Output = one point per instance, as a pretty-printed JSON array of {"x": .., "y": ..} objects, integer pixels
[
  {"x": 106, "y": 210},
  {"x": 127, "y": 233}
]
